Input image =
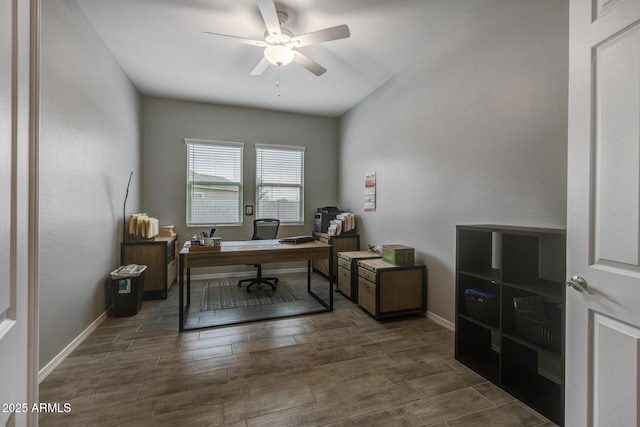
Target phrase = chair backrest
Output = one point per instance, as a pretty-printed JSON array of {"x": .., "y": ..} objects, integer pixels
[{"x": 265, "y": 229}]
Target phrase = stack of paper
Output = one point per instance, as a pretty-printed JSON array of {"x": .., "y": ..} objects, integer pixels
[
  {"x": 348, "y": 221},
  {"x": 167, "y": 231},
  {"x": 343, "y": 223},
  {"x": 335, "y": 227},
  {"x": 142, "y": 225}
]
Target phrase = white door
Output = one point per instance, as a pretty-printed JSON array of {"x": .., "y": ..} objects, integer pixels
[
  {"x": 603, "y": 214},
  {"x": 18, "y": 367}
]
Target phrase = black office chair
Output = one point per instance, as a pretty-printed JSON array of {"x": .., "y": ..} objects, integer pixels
[{"x": 263, "y": 229}]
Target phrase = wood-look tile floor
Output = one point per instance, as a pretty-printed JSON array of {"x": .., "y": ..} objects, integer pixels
[{"x": 341, "y": 368}]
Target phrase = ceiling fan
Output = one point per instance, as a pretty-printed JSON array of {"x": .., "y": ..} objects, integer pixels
[{"x": 280, "y": 44}]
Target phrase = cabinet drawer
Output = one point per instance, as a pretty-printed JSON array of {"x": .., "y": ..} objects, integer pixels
[
  {"x": 367, "y": 274},
  {"x": 171, "y": 251},
  {"x": 344, "y": 281},
  {"x": 367, "y": 295},
  {"x": 171, "y": 272},
  {"x": 344, "y": 263},
  {"x": 401, "y": 290}
]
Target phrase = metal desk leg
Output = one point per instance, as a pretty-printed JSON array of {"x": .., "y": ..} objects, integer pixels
[
  {"x": 188, "y": 286},
  {"x": 331, "y": 278},
  {"x": 181, "y": 296}
]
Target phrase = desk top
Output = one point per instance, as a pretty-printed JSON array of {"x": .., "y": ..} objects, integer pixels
[
  {"x": 255, "y": 252},
  {"x": 248, "y": 245}
]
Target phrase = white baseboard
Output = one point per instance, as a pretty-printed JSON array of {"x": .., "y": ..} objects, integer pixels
[
  {"x": 56, "y": 361},
  {"x": 440, "y": 321},
  {"x": 246, "y": 274}
]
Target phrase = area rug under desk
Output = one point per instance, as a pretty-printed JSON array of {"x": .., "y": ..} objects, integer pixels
[{"x": 222, "y": 294}]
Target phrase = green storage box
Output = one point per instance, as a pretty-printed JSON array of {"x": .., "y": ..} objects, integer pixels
[{"x": 398, "y": 254}]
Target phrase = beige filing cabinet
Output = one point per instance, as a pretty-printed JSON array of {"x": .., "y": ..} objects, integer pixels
[
  {"x": 340, "y": 243},
  {"x": 386, "y": 290},
  {"x": 160, "y": 257},
  {"x": 348, "y": 271}
]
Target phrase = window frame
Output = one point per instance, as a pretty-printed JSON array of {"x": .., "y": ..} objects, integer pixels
[
  {"x": 191, "y": 143},
  {"x": 259, "y": 185}
]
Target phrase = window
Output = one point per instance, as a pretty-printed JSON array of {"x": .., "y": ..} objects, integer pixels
[
  {"x": 214, "y": 183},
  {"x": 280, "y": 183}
]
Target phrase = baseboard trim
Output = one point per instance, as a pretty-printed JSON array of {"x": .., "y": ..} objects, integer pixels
[
  {"x": 440, "y": 321},
  {"x": 246, "y": 274},
  {"x": 56, "y": 361}
]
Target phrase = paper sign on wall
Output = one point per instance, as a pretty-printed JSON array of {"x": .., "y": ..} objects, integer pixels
[{"x": 370, "y": 192}]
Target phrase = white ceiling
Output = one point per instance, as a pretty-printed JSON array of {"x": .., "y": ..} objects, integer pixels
[{"x": 161, "y": 46}]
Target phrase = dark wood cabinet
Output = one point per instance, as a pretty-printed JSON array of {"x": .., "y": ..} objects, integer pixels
[
  {"x": 340, "y": 243},
  {"x": 160, "y": 257},
  {"x": 510, "y": 311}
]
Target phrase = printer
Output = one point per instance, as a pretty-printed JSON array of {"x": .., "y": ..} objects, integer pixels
[{"x": 323, "y": 218}]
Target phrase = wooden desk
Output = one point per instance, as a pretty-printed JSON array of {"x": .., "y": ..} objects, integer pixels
[{"x": 251, "y": 252}]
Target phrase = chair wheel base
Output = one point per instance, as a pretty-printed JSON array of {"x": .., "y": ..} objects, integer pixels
[{"x": 273, "y": 282}]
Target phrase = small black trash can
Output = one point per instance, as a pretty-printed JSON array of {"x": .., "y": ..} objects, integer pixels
[{"x": 127, "y": 287}]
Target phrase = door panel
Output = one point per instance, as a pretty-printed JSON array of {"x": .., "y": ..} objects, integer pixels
[
  {"x": 603, "y": 214},
  {"x": 604, "y": 6},
  {"x": 615, "y": 371},
  {"x": 617, "y": 149}
]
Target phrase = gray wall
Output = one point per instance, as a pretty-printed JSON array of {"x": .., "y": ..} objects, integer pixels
[
  {"x": 165, "y": 125},
  {"x": 89, "y": 143},
  {"x": 473, "y": 132}
]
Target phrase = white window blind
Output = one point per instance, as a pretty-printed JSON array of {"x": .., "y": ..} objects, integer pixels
[
  {"x": 214, "y": 182},
  {"x": 280, "y": 183}
]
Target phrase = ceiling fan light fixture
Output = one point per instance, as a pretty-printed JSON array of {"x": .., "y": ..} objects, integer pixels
[
  {"x": 284, "y": 37},
  {"x": 279, "y": 55}
]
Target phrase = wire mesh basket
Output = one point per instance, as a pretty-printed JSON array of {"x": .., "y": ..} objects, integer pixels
[
  {"x": 482, "y": 305},
  {"x": 534, "y": 326}
]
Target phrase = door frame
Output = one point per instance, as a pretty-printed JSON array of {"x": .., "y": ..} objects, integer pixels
[{"x": 33, "y": 346}]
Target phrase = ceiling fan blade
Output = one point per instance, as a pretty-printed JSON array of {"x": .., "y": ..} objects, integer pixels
[
  {"x": 320, "y": 36},
  {"x": 259, "y": 69},
  {"x": 310, "y": 65},
  {"x": 270, "y": 16},
  {"x": 244, "y": 40}
]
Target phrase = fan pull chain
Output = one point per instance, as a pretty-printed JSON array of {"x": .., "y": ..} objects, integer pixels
[{"x": 278, "y": 81}]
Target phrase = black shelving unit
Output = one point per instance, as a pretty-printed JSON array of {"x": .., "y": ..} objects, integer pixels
[{"x": 524, "y": 355}]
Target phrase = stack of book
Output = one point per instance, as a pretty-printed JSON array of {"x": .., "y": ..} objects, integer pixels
[{"x": 167, "y": 231}]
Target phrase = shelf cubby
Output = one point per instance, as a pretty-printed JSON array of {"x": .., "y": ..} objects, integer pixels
[
  {"x": 481, "y": 349},
  {"x": 523, "y": 352},
  {"x": 532, "y": 378}
]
